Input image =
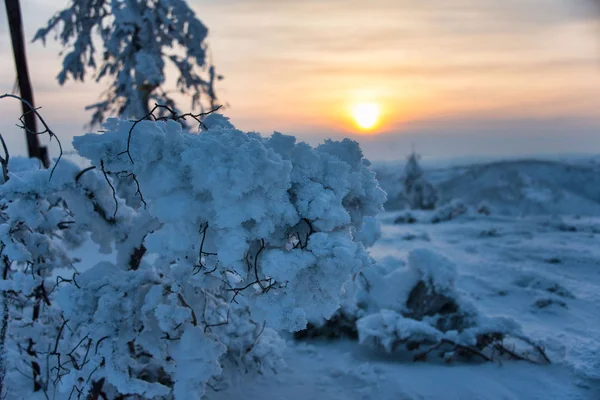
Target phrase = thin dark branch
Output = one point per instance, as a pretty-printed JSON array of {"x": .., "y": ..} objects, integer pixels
[
  {"x": 114, "y": 192},
  {"x": 208, "y": 326},
  {"x": 4, "y": 160},
  {"x": 47, "y": 129},
  {"x": 98, "y": 343},
  {"x": 262, "y": 329},
  {"x": 201, "y": 253},
  {"x": 83, "y": 171},
  {"x": 262, "y": 247},
  {"x": 183, "y": 302},
  {"x": 138, "y": 192}
]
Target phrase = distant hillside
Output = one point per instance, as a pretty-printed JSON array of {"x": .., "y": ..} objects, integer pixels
[{"x": 519, "y": 187}]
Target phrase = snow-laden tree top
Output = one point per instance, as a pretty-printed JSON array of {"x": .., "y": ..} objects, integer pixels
[
  {"x": 136, "y": 38},
  {"x": 412, "y": 170}
]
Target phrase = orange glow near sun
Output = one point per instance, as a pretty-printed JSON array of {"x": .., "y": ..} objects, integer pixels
[{"x": 366, "y": 115}]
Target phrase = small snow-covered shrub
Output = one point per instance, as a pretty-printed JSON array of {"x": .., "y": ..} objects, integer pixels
[
  {"x": 423, "y": 289},
  {"x": 548, "y": 302},
  {"x": 415, "y": 309},
  {"x": 484, "y": 209},
  {"x": 416, "y": 236},
  {"x": 449, "y": 212},
  {"x": 406, "y": 218},
  {"x": 225, "y": 238}
]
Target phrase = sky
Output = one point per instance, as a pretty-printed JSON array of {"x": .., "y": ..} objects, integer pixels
[{"x": 460, "y": 78}]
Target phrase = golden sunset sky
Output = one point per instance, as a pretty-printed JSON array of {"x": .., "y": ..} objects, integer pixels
[{"x": 456, "y": 78}]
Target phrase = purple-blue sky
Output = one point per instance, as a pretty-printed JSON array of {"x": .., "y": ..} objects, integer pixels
[{"x": 455, "y": 78}]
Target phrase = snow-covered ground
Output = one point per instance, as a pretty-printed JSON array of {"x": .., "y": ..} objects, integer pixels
[{"x": 542, "y": 271}]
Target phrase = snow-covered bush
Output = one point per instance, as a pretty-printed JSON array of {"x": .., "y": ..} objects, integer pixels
[
  {"x": 225, "y": 238},
  {"x": 234, "y": 236},
  {"x": 419, "y": 193}
]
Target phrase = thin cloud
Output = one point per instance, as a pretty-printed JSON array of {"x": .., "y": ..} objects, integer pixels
[{"x": 450, "y": 71}]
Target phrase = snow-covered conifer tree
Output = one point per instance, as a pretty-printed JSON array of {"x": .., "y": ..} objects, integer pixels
[
  {"x": 419, "y": 193},
  {"x": 137, "y": 38}
]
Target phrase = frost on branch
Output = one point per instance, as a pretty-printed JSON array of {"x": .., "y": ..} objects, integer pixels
[{"x": 240, "y": 235}]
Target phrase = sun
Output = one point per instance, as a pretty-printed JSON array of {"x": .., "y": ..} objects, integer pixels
[{"x": 366, "y": 115}]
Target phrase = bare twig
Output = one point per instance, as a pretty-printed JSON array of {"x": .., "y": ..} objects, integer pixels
[
  {"x": 262, "y": 247},
  {"x": 207, "y": 326},
  {"x": 83, "y": 171},
  {"x": 492, "y": 342},
  {"x": 47, "y": 129},
  {"x": 138, "y": 192},
  {"x": 262, "y": 329},
  {"x": 183, "y": 303},
  {"x": 120, "y": 174},
  {"x": 98, "y": 343},
  {"x": 540, "y": 349},
  {"x": 201, "y": 253}
]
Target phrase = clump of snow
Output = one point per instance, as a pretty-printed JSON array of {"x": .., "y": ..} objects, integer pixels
[
  {"x": 388, "y": 329},
  {"x": 370, "y": 231},
  {"x": 434, "y": 268},
  {"x": 216, "y": 120}
]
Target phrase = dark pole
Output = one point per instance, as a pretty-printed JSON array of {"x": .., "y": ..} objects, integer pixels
[{"x": 15, "y": 21}]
